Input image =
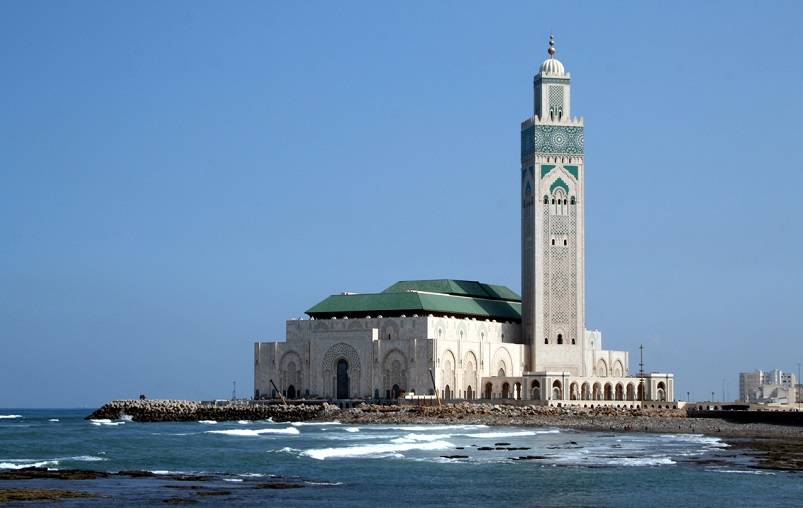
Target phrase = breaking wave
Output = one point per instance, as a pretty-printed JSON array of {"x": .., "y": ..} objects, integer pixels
[
  {"x": 208, "y": 422},
  {"x": 438, "y": 427},
  {"x": 105, "y": 421},
  {"x": 738, "y": 471},
  {"x": 23, "y": 465},
  {"x": 352, "y": 429},
  {"x": 54, "y": 420},
  {"x": 641, "y": 461},
  {"x": 254, "y": 432},
  {"x": 381, "y": 450},
  {"x": 713, "y": 442},
  {"x": 497, "y": 435},
  {"x": 9, "y": 417},
  {"x": 414, "y": 438},
  {"x": 299, "y": 424}
]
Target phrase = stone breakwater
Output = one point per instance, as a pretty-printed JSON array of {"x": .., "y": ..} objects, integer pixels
[
  {"x": 591, "y": 419},
  {"x": 185, "y": 410}
]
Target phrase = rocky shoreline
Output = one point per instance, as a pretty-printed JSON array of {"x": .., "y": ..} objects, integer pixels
[{"x": 589, "y": 419}]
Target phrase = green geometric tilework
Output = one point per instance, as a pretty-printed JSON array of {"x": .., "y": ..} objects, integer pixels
[
  {"x": 552, "y": 139},
  {"x": 545, "y": 169},
  {"x": 559, "y": 183},
  {"x": 572, "y": 170}
]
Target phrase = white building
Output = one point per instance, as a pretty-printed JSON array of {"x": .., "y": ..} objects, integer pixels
[
  {"x": 773, "y": 387},
  {"x": 468, "y": 338}
]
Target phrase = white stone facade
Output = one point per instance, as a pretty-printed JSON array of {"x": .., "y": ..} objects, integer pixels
[{"x": 386, "y": 356}]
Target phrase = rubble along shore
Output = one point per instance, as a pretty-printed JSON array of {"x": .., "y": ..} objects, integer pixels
[
  {"x": 188, "y": 410},
  {"x": 591, "y": 419}
]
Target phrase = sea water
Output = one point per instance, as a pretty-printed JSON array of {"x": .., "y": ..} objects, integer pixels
[{"x": 390, "y": 465}]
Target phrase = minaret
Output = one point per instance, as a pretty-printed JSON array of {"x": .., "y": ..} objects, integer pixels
[{"x": 552, "y": 239}]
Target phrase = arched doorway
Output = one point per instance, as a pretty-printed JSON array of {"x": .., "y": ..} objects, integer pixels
[
  {"x": 469, "y": 393},
  {"x": 342, "y": 379},
  {"x": 608, "y": 391},
  {"x": 447, "y": 393},
  {"x": 557, "y": 391},
  {"x": 661, "y": 391},
  {"x": 488, "y": 390},
  {"x": 619, "y": 392},
  {"x": 395, "y": 392},
  {"x": 640, "y": 394},
  {"x": 291, "y": 392},
  {"x": 505, "y": 390},
  {"x": 585, "y": 393},
  {"x": 597, "y": 395},
  {"x": 630, "y": 392},
  {"x": 574, "y": 391},
  {"x": 517, "y": 389},
  {"x": 535, "y": 390}
]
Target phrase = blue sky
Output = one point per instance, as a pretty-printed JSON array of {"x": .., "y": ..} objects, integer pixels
[{"x": 178, "y": 179}]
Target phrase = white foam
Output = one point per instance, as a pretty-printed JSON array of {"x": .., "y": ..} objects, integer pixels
[
  {"x": 324, "y": 483},
  {"x": 437, "y": 427},
  {"x": 714, "y": 442},
  {"x": 22, "y": 465},
  {"x": 641, "y": 461},
  {"x": 9, "y": 417},
  {"x": 127, "y": 418},
  {"x": 84, "y": 458},
  {"x": 243, "y": 422},
  {"x": 352, "y": 429},
  {"x": 232, "y": 479},
  {"x": 54, "y": 420},
  {"x": 286, "y": 449},
  {"x": 208, "y": 422},
  {"x": 497, "y": 435},
  {"x": 299, "y": 424},
  {"x": 104, "y": 421},
  {"x": 375, "y": 450},
  {"x": 414, "y": 438},
  {"x": 254, "y": 432},
  {"x": 743, "y": 472}
]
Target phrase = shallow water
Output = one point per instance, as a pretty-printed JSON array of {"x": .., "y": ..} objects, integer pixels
[{"x": 370, "y": 465}]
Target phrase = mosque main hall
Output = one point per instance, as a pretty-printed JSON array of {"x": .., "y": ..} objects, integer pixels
[{"x": 461, "y": 339}]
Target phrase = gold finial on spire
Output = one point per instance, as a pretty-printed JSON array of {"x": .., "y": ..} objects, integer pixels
[{"x": 551, "y": 49}]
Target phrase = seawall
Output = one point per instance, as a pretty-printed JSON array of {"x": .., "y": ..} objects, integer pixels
[{"x": 187, "y": 410}]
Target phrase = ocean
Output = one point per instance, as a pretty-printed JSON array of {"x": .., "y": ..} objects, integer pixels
[{"x": 336, "y": 464}]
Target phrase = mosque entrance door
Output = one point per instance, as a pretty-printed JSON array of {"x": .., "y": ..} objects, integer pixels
[
  {"x": 395, "y": 392},
  {"x": 291, "y": 392},
  {"x": 342, "y": 379}
]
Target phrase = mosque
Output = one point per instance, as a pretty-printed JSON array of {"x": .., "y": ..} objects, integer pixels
[{"x": 460, "y": 339}]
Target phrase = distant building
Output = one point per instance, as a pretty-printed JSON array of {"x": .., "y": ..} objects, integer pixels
[
  {"x": 466, "y": 339},
  {"x": 769, "y": 387}
]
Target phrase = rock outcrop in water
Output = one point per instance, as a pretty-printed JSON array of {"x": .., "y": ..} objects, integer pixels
[{"x": 184, "y": 410}]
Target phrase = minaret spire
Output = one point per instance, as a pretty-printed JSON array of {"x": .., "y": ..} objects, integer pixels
[{"x": 551, "y": 49}]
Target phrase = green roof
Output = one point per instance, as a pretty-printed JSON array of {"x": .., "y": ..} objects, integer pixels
[
  {"x": 441, "y": 296},
  {"x": 457, "y": 288}
]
